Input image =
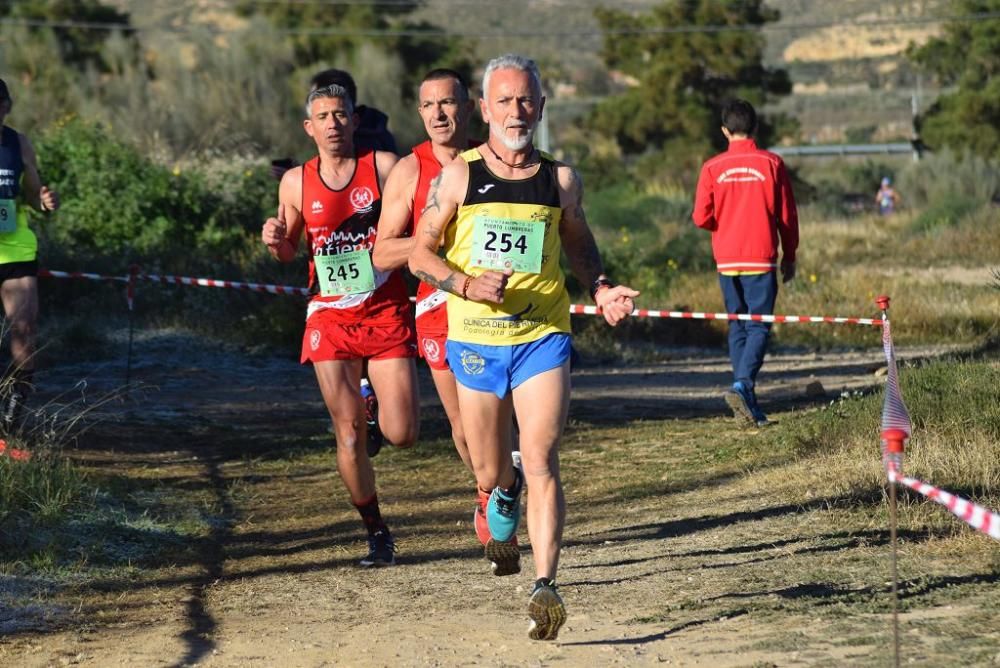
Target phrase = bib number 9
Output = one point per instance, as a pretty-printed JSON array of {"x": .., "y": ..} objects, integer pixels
[{"x": 8, "y": 215}]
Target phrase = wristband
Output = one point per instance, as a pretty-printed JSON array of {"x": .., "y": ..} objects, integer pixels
[
  {"x": 465, "y": 287},
  {"x": 597, "y": 285}
]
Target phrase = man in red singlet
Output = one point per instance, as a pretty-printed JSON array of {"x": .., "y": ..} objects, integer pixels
[
  {"x": 358, "y": 313},
  {"x": 446, "y": 109}
]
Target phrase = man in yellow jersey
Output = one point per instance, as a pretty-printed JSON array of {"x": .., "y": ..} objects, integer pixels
[
  {"x": 20, "y": 186},
  {"x": 504, "y": 212}
]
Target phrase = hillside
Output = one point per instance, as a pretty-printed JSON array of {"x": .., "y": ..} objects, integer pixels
[
  {"x": 851, "y": 79},
  {"x": 850, "y": 82}
]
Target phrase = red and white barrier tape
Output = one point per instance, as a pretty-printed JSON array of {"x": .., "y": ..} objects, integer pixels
[
  {"x": 50, "y": 273},
  {"x": 976, "y": 516},
  {"x": 896, "y": 429},
  {"x": 215, "y": 283},
  {"x": 574, "y": 309},
  {"x": 579, "y": 309}
]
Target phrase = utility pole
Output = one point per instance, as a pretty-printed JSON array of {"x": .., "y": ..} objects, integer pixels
[
  {"x": 543, "y": 134},
  {"x": 914, "y": 114}
]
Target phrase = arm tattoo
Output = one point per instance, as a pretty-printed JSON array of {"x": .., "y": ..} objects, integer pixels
[
  {"x": 448, "y": 283},
  {"x": 587, "y": 263},
  {"x": 432, "y": 196}
]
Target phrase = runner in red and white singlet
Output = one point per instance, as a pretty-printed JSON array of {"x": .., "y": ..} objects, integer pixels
[
  {"x": 432, "y": 303},
  {"x": 446, "y": 109},
  {"x": 370, "y": 324},
  {"x": 358, "y": 314}
]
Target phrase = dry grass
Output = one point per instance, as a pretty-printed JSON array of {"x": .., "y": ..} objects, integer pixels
[{"x": 940, "y": 281}]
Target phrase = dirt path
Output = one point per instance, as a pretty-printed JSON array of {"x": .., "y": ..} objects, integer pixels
[{"x": 274, "y": 581}]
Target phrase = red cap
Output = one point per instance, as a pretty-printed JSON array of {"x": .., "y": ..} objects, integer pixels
[{"x": 894, "y": 439}]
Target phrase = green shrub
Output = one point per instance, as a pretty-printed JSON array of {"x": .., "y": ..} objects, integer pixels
[
  {"x": 947, "y": 211},
  {"x": 956, "y": 400},
  {"x": 119, "y": 207},
  {"x": 623, "y": 206},
  {"x": 944, "y": 175},
  {"x": 646, "y": 236}
]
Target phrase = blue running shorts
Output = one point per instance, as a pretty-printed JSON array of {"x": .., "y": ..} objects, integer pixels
[{"x": 500, "y": 369}]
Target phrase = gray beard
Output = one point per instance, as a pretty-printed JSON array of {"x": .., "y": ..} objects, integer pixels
[{"x": 513, "y": 144}]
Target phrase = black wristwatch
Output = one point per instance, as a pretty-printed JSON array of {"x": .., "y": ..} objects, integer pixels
[{"x": 597, "y": 285}]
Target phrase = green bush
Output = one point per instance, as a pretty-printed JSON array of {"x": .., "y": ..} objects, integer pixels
[
  {"x": 625, "y": 206},
  {"x": 119, "y": 207},
  {"x": 947, "y": 174},
  {"x": 646, "y": 237},
  {"x": 954, "y": 399},
  {"x": 947, "y": 211}
]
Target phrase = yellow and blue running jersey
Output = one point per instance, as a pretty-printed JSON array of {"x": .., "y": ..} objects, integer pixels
[{"x": 496, "y": 226}]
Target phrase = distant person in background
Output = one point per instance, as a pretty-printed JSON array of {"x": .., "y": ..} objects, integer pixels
[
  {"x": 373, "y": 125},
  {"x": 745, "y": 199},
  {"x": 887, "y": 199},
  {"x": 20, "y": 185}
]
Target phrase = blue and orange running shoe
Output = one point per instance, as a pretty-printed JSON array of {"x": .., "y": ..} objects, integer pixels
[
  {"x": 504, "y": 557},
  {"x": 503, "y": 510}
]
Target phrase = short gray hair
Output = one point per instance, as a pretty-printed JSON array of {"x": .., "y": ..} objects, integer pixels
[
  {"x": 512, "y": 61},
  {"x": 331, "y": 91}
]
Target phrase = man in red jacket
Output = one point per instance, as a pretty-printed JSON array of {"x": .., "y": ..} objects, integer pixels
[{"x": 745, "y": 199}]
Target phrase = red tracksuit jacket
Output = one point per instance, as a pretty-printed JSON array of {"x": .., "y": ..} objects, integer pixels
[{"x": 745, "y": 199}]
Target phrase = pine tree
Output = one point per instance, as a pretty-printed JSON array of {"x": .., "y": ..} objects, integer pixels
[
  {"x": 683, "y": 64},
  {"x": 967, "y": 56}
]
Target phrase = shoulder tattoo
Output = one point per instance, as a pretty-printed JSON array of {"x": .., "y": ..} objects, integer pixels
[{"x": 432, "y": 195}]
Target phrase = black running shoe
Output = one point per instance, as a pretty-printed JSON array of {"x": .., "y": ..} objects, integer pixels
[
  {"x": 381, "y": 550},
  {"x": 375, "y": 438},
  {"x": 546, "y": 610}
]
